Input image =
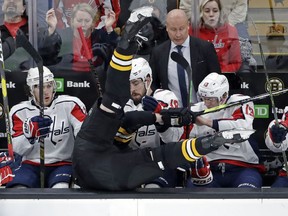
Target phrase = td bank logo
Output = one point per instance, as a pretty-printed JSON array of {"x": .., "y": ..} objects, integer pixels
[
  {"x": 261, "y": 110},
  {"x": 59, "y": 84}
]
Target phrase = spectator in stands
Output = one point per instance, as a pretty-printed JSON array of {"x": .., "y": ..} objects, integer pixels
[
  {"x": 223, "y": 35},
  {"x": 42, "y": 7},
  {"x": 234, "y": 12},
  {"x": 148, "y": 136},
  {"x": 234, "y": 165},
  {"x": 58, "y": 127},
  {"x": 100, "y": 42},
  {"x": 15, "y": 18},
  {"x": 277, "y": 141},
  {"x": 276, "y": 61},
  {"x": 199, "y": 53},
  {"x": 64, "y": 10}
]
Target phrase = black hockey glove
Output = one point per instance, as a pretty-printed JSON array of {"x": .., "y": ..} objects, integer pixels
[{"x": 178, "y": 117}]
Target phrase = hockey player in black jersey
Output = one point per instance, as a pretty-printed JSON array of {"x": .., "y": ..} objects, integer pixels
[{"x": 97, "y": 163}]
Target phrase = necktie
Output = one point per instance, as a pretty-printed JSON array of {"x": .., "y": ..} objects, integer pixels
[{"x": 182, "y": 80}]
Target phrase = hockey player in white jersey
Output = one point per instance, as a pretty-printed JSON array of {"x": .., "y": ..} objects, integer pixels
[
  {"x": 149, "y": 136},
  {"x": 140, "y": 82},
  {"x": 277, "y": 141},
  {"x": 63, "y": 117},
  {"x": 234, "y": 165}
]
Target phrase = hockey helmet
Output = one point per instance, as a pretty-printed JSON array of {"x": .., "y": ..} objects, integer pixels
[
  {"x": 214, "y": 85},
  {"x": 33, "y": 77},
  {"x": 140, "y": 69},
  {"x": 167, "y": 98}
]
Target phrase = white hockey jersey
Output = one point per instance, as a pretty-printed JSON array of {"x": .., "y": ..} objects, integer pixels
[
  {"x": 277, "y": 147},
  {"x": 67, "y": 114},
  {"x": 148, "y": 136},
  {"x": 241, "y": 116}
]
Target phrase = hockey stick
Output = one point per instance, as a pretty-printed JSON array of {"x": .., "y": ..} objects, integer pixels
[
  {"x": 89, "y": 57},
  {"x": 22, "y": 41},
  {"x": 268, "y": 82},
  {"x": 5, "y": 103},
  {"x": 241, "y": 102},
  {"x": 178, "y": 58}
]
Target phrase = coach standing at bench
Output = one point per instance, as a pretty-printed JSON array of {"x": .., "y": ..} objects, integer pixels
[{"x": 200, "y": 54}]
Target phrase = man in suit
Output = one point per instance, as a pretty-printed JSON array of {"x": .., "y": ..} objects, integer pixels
[{"x": 200, "y": 55}]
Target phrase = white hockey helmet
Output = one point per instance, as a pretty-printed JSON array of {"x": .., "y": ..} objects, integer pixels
[
  {"x": 167, "y": 98},
  {"x": 141, "y": 70},
  {"x": 214, "y": 85},
  {"x": 33, "y": 77}
]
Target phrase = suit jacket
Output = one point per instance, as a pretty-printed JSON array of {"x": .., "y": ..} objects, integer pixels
[{"x": 204, "y": 60}]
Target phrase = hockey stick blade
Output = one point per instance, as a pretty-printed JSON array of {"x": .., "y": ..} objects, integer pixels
[
  {"x": 175, "y": 56},
  {"x": 22, "y": 41}
]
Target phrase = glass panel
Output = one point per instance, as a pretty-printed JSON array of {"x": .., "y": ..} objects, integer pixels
[{"x": 267, "y": 21}]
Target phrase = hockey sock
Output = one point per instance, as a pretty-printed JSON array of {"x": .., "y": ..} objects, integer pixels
[{"x": 117, "y": 88}]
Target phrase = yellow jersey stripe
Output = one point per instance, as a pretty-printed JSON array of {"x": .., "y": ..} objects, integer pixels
[
  {"x": 184, "y": 151},
  {"x": 119, "y": 67},
  {"x": 123, "y": 57},
  {"x": 193, "y": 146}
]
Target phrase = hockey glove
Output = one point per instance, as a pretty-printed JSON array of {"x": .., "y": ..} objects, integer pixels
[
  {"x": 200, "y": 172},
  {"x": 7, "y": 165},
  {"x": 278, "y": 133},
  {"x": 151, "y": 104},
  {"x": 177, "y": 117},
  {"x": 213, "y": 142},
  {"x": 36, "y": 126}
]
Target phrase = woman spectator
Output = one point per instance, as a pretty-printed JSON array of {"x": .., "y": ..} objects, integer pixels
[
  {"x": 219, "y": 32},
  {"x": 100, "y": 42}
]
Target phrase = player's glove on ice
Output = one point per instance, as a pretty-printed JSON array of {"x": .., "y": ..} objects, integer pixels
[{"x": 35, "y": 127}]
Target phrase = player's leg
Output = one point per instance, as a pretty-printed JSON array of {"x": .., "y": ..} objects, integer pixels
[
  {"x": 60, "y": 176},
  {"x": 26, "y": 176}
]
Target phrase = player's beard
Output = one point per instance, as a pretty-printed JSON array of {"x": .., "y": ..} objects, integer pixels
[{"x": 136, "y": 99}]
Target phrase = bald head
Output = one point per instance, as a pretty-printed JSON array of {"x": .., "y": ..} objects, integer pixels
[
  {"x": 177, "y": 26},
  {"x": 176, "y": 14}
]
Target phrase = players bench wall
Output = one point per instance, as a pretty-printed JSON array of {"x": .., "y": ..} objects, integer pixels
[{"x": 83, "y": 85}]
